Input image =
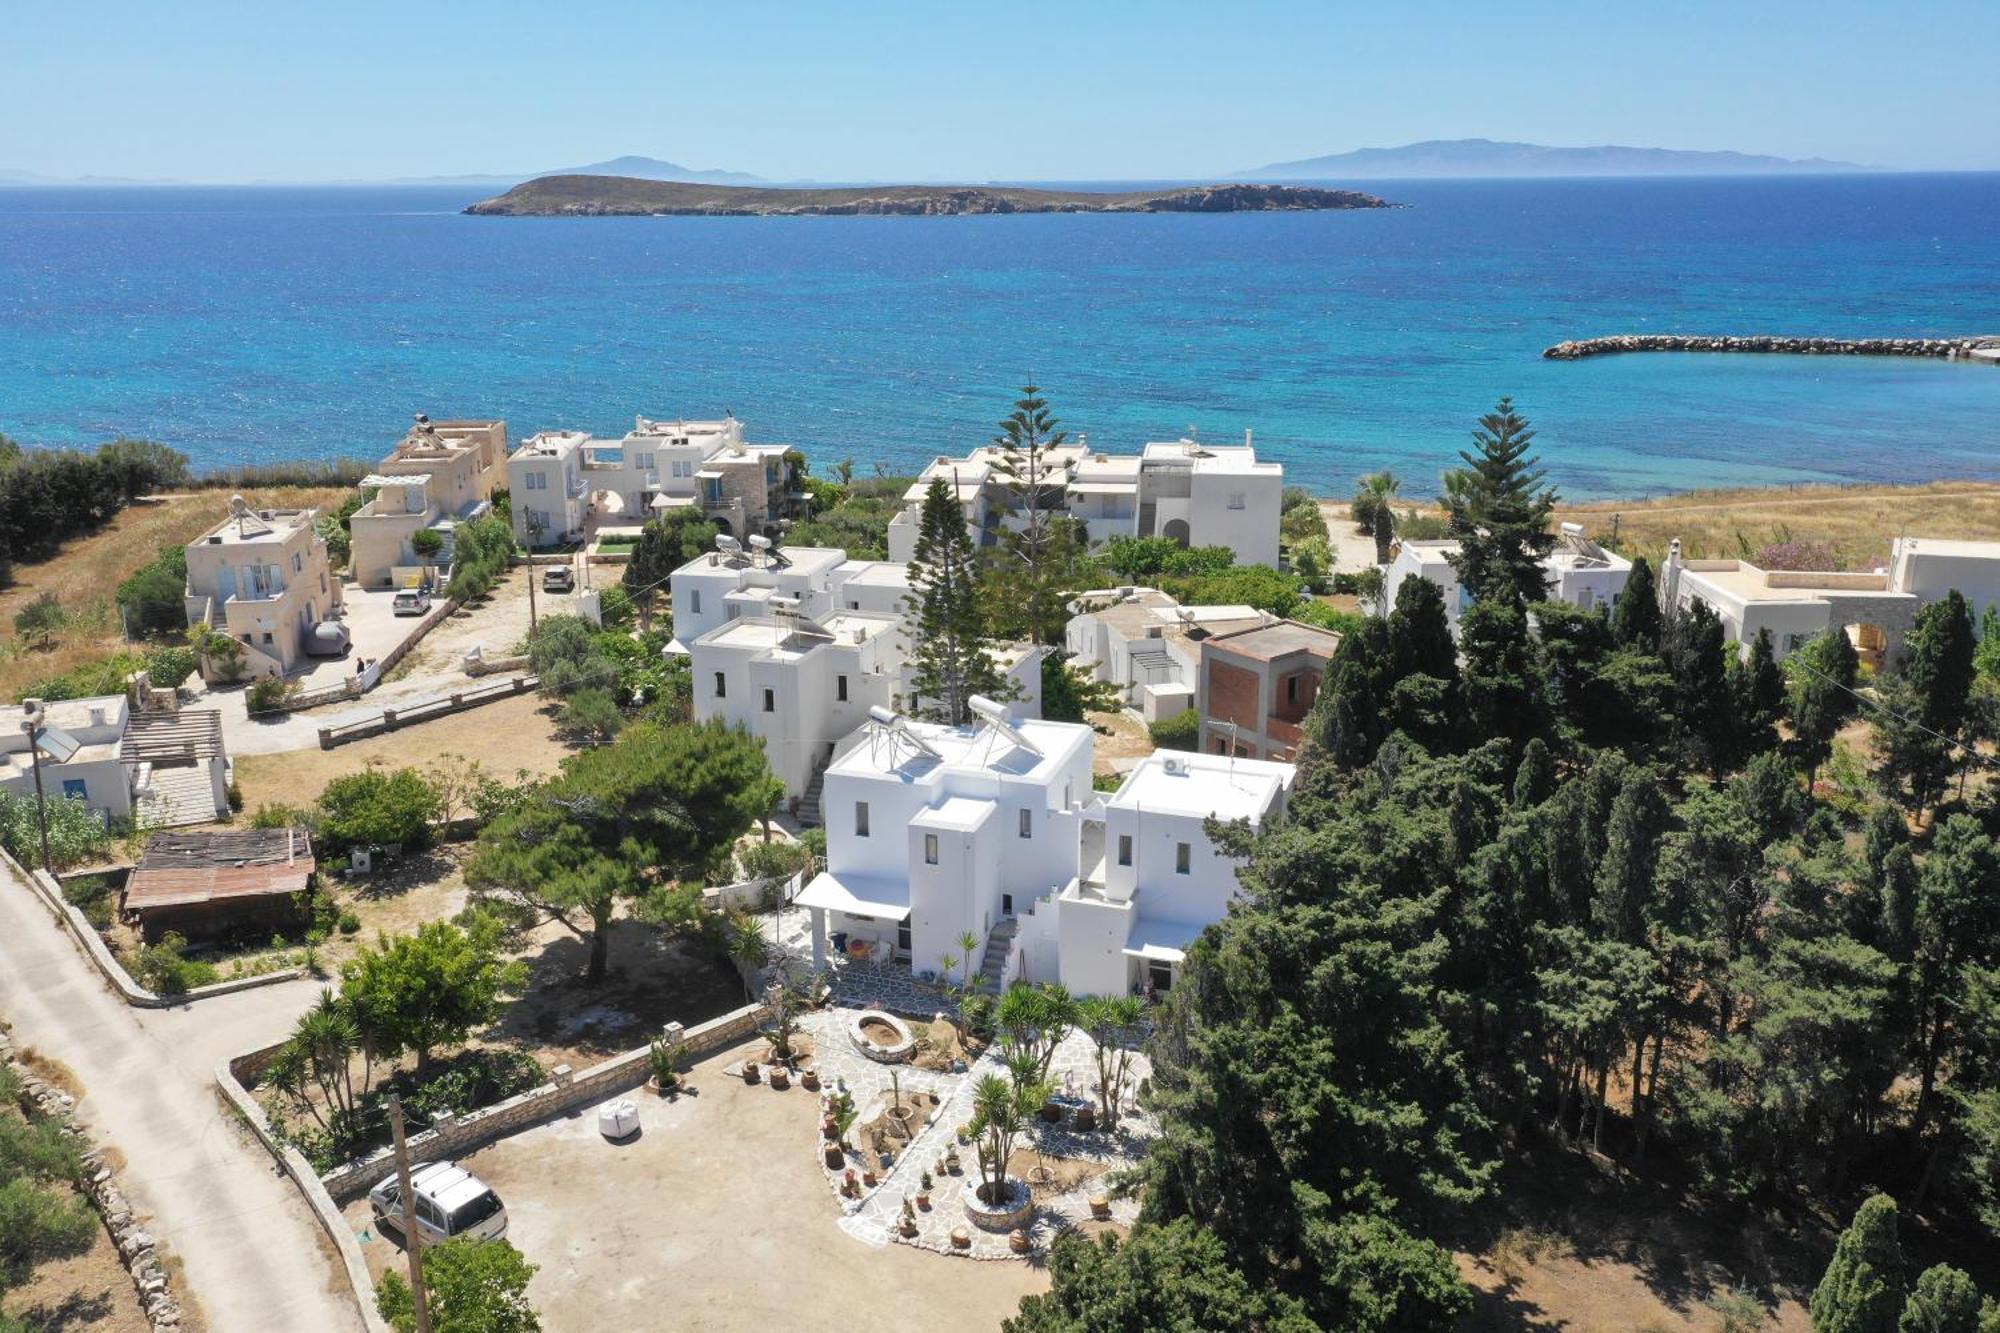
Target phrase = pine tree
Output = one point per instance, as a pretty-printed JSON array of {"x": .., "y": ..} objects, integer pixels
[
  {"x": 1044, "y": 547},
  {"x": 1704, "y": 711},
  {"x": 1862, "y": 1291},
  {"x": 1945, "y": 1300},
  {"x": 1535, "y": 778},
  {"x": 1822, "y": 694},
  {"x": 1758, "y": 687},
  {"x": 1500, "y": 513},
  {"x": 1940, "y": 663},
  {"x": 1635, "y": 621},
  {"x": 949, "y": 653},
  {"x": 1421, "y": 632}
]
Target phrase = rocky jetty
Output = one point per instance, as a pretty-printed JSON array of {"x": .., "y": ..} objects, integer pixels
[
  {"x": 1948, "y": 348},
  {"x": 620, "y": 196}
]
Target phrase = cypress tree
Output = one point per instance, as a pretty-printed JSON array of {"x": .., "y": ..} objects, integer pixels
[
  {"x": 1635, "y": 621},
  {"x": 1862, "y": 1291},
  {"x": 1704, "y": 711},
  {"x": 1940, "y": 663},
  {"x": 948, "y": 650},
  {"x": 1421, "y": 632},
  {"x": 1500, "y": 513},
  {"x": 1535, "y": 779},
  {"x": 1821, "y": 695},
  {"x": 1758, "y": 687},
  {"x": 1945, "y": 1300}
]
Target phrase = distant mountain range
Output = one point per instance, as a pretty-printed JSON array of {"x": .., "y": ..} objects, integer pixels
[
  {"x": 1485, "y": 157},
  {"x": 630, "y": 166}
]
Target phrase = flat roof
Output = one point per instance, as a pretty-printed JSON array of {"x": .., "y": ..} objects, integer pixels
[
  {"x": 1268, "y": 642},
  {"x": 958, "y": 813},
  {"x": 1201, "y": 785},
  {"x": 256, "y": 525},
  {"x": 878, "y": 573},
  {"x": 1160, "y": 940},
  {"x": 180, "y": 869},
  {"x": 1234, "y": 458},
  {"x": 965, "y": 749},
  {"x": 68, "y": 714},
  {"x": 1951, "y": 546}
]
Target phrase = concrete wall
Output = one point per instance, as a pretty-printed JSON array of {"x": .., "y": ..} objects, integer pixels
[{"x": 1093, "y": 934}]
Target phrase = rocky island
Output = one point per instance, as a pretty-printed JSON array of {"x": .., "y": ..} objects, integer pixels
[
  {"x": 1952, "y": 349},
  {"x": 621, "y": 196}
]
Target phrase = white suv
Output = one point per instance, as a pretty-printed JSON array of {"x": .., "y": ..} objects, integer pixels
[{"x": 450, "y": 1202}]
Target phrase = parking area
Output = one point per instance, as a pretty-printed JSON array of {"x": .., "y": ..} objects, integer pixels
[{"x": 716, "y": 1216}]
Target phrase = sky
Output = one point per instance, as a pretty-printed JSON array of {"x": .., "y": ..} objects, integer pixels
[{"x": 227, "y": 90}]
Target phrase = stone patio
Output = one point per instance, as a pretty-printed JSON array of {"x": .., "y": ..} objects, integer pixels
[{"x": 874, "y": 1216}]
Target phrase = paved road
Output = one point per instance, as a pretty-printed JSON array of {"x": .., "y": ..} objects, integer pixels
[{"x": 254, "y": 1259}]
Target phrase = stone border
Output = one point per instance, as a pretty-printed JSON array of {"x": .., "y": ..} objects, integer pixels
[
  {"x": 1020, "y": 1202},
  {"x": 136, "y": 1247},
  {"x": 94, "y": 948},
  {"x": 906, "y": 1040}
]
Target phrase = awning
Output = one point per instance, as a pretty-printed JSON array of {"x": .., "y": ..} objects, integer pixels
[
  {"x": 1161, "y": 941},
  {"x": 883, "y": 899}
]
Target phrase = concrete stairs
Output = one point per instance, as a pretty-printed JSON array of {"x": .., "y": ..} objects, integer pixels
[
  {"x": 998, "y": 945},
  {"x": 175, "y": 797},
  {"x": 809, "y": 811}
]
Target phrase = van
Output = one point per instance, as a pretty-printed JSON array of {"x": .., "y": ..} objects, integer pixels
[{"x": 449, "y": 1202}]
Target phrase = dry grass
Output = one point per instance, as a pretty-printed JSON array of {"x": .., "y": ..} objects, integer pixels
[
  {"x": 1856, "y": 521},
  {"x": 85, "y": 575}
]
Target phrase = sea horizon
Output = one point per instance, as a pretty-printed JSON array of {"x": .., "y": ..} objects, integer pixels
[{"x": 255, "y": 323}]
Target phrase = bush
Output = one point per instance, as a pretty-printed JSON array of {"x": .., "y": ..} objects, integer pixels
[
  {"x": 76, "y": 834},
  {"x": 426, "y": 542},
  {"x": 268, "y": 694},
  {"x": 162, "y": 968},
  {"x": 614, "y": 607},
  {"x": 93, "y": 896},
  {"x": 1106, "y": 781},
  {"x": 168, "y": 668},
  {"x": 349, "y": 924},
  {"x": 152, "y": 598},
  {"x": 484, "y": 548},
  {"x": 472, "y": 1286},
  {"x": 41, "y": 619},
  {"x": 269, "y": 816},
  {"x": 52, "y": 495},
  {"x": 591, "y": 717},
  {"x": 977, "y": 1013},
  {"x": 104, "y": 676},
  {"x": 376, "y": 808},
  {"x": 1182, "y": 731}
]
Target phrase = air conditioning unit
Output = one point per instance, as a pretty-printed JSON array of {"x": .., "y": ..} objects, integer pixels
[{"x": 1176, "y": 764}]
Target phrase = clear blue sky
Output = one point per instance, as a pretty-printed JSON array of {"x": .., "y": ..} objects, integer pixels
[{"x": 219, "y": 90}]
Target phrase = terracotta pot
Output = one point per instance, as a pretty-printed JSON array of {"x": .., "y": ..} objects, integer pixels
[
  {"x": 924, "y": 1202},
  {"x": 1052, "y": 1113},
  {"x": 834, "y": 1156},
  {"x": 809, "y": 1080},
  {"x": 1017, "y": 1241},
  {"x": 749, "y": 1071},
  {"x": 868, "y": 1179},
  {"x": 780, "y": 1078},
  {"x": 1086, "y": 1116},
  {"x": 908, "y": 1228}
]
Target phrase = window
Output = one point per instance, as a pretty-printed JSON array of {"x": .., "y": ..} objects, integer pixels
[
  {"x": 1236, "y": 499},
  {"x": 683, "y": 468},
  {"x": 840, "y": 688},
  {"x": 861, "y": 819},
  {"x": 298, "y": 563},
  {"x": 770, "y": 702},
  {"x": 930, "y": 849},
  {"x": 1027, "y": 823},
  {"x": 1182, "y": 855},
  {"x": 645, "y": 462},
  {"x": 75, "y": 787},
  {"x": 267, "y": 636},
  {"x": 694, "y": 600},
  {"x": 1291, "y": 689},
  {"x": 537, "y": 481},
  {"x": 1124, "y": 849},
  {"x": 721, "y": 686}
]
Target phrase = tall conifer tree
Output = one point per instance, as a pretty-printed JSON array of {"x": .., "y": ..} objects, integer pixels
[
  {"x": 947, "y": 647},
  {"x": 1500, "y": 512}
]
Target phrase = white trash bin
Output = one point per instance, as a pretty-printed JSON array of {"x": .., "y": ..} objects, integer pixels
[{"x": 618, "y": 1120}]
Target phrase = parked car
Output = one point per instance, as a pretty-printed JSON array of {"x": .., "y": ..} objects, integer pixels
[
  {"x": 329, "y": 638},
  {"x": 558, "y": 578},
  {"x": 411, "y": 603},
  {"x": 449, "y": 1201}
]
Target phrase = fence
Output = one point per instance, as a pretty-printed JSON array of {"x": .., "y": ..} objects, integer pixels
[
  {"x": 353, "y": 687},
  {"x": 423, "y": 710}
]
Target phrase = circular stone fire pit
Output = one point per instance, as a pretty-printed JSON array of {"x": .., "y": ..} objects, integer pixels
[
  {"x": 1009, "y": 1213},
  {"x": 882, "y": 1037}
]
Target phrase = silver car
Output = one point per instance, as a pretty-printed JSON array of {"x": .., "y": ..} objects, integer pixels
[{"x": 450, "y": 1201}]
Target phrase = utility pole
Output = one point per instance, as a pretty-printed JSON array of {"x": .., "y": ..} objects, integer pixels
[
  {"x": 413, "y": 1244},
  {"x": 534, "y": 533},
  {"x": 31, "y": 723}
]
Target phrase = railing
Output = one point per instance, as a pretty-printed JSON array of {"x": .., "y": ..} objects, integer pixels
[{"x": 423, "y": 710}]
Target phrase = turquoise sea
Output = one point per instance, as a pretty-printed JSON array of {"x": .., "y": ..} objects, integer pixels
[{"x": 247, "y": 324}]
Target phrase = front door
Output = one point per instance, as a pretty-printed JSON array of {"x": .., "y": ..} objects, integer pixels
[
  {"x": 903, "y": 938},
  {"x": 1006, "y": 904}
]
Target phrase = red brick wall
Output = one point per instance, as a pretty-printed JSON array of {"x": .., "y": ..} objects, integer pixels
[{"x": 1232, "y": 695}]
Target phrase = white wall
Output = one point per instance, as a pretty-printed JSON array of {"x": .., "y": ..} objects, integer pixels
[{"x": 1093, "y": 935}]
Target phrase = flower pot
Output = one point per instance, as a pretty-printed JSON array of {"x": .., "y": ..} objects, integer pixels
[
  {"x": 834, "y": 1156},
  {"x": 809, "y": 1080},
  {"x": 749, "y": 1071},
  {"x": 1086, "y": 1117},
  {"x": 868, "y": 1178},
  {"x": 924, "y": 1202},
  {"x": 1052, "y": 1113},
  {"x": 1017, "y": 1241},
  {"x": 780, "y": 1078},
  {"x": 908, "y": 1227}
]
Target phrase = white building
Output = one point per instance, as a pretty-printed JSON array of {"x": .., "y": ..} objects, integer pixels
[
  {"x": 992, "y": 830},
  {"x": 1149, "y": 878},
  {"x": 439, "y": 475},
  {"x": 1929, "y": 567},
  {"x": 797, "y": 643},
  {"x": 1197, "y": 494},
  {"x": 158, "y": 767},
  {"x": 566, "y": 483},
  {"x": 262, "y": 577},
  {"x": 1795, "y": 606},
  {"x": 934, "y": 832},
  {"x": 1580, "y": 572},
  {"x": 1148, "y": 644}
]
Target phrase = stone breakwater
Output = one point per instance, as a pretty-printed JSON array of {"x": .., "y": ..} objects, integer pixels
[{"x": 1951, "y": 349}]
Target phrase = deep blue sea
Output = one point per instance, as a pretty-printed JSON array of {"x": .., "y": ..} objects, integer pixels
[{"x": 247, "y": 324}]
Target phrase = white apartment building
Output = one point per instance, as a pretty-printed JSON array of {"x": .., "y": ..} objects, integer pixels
[
  {"x": 1929, "y": 567},
  {"x": 993, "y": 830},
  {"x": 797, "y": 643},
  {"x": 1195, "y": 493},
  {"x": 1149, "y": 879},
  {"x": 441, "y": 474},
  {"x": 566, "y": 483},
  {"x": 1148, "y": 644},
  {"x": 262, "y": 577},
  {"x": 1796, "y": 606},
  {"x": 933, "y": 832},
  {"x": 1580, "y": 572}
]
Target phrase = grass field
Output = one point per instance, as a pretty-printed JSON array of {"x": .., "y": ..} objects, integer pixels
[
  {"x": 86, "y": 574},
  {"x": 1858, "y": 522}
]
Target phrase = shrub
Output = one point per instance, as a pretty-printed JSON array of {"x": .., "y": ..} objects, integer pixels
[
  {"x": 76, "y": 834},
  {"x": 40, "y": 619},
  {"x": 349, "y": 924},
  {"x": 152, "y": 597},
  {"x": 377, "y": 808},
  {"x": 483, "y": 548},
  {"x": 426, "y": 542},
  {"x": 1107, "y": 781},
  {"x": 93, "y": 896},
  {"x": 161, "y": 967},
  {"x": 614, "y": 607},
  {"x": 1182, "y": 731},
  {"x": 168, "y": 668},
  {"x": 473, "y": 1286},
  {"x": 591, "y": 717},
  {"x": 268, "y": 694},
  {"x": 104, "y": 676},
  {"x": 269, "y": 816}
]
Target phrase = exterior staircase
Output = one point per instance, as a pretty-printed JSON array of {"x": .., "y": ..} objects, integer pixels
[
  {"x": 998, "y": 945},
  {"x": 809, "y": 811},
  {"x": 175, "y": 797}
]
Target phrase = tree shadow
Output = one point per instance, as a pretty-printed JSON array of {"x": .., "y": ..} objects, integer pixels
[
  {"x": 395, "y": 877},
  {"x": 75, "y": 1310},
  {"x": 653, "y": 977}
]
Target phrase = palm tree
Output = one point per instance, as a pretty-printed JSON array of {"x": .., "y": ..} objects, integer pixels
[
  {"x": 969, "y": 942},
  {"x": 1001, "y": 1109},
  {"x": 1110, "y": 1021},
  {"x": 1372, "y": 509},
  {"x": 748, "y": 949}
]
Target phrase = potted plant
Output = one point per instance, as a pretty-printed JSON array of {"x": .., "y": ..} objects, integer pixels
[
  {"x": 661, "y": 1057},
  {"x": 867, "y": 1177},
  {"x": 834, "y": 1156},
  {"x": 847, "y": 1184},
  {"x": 924, "y": 1192},
  {"x": 1017, "y": 1240},
  {"x": 779, "y": 1078},
  {"x": 951, "y": 1160},
  {"x": 909, "y": 1222}
]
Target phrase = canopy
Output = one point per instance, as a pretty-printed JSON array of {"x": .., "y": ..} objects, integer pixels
[
  {"x": 882, "y": 899},
  {"x": 1161, "y": 941}
]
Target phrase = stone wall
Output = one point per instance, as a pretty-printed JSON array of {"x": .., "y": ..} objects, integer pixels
[
  {"x": 1951, "y": 349},
  {"x": 136, "y": 1247}
]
